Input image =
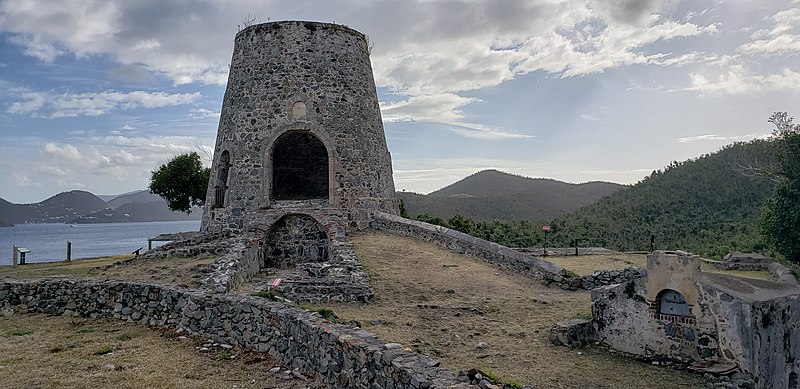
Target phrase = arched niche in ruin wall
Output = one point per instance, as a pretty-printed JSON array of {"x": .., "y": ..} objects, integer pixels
[
  {"x": 221, "y": 185},
  {"x": 671, "y": 302},
  {"x": 295, "y": 239}
]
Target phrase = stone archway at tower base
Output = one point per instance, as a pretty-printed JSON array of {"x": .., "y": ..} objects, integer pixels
[{"x": 306, "y": 247}]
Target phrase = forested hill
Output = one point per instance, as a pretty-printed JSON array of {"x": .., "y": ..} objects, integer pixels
[
  {"x": 709, "y": 205},
  {"x": 491, "y": 194}
]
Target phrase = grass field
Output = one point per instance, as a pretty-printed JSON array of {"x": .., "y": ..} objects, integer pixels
[
  {"x": 39, "y": 351},
  {"x": 451, "y": 307},
  {"x": 587, "y": 264},
  {"x": 186, "y": 272},
  {"x": 469, "y": 314}
]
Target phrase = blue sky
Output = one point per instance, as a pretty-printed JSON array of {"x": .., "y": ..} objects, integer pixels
[{"x": 95, "y": 94}]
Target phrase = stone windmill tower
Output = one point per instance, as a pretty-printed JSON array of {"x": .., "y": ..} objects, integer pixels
[{"x": 300, "y": 132}]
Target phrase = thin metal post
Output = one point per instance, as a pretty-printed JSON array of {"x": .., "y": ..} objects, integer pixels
[
  {"x": 149, "y": 244},
  {"x": 14, "y": 257},
  {"x": 69, "y": 251},
  {"x": 544, "y": 249}
]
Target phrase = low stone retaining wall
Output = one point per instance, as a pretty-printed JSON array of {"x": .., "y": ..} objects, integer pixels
[
  {"x": 460, "y": 242},
  {"x": 597, "y": 279},
  {"x": 335, "y": 355},
  {"x": 611, "y": 277}
]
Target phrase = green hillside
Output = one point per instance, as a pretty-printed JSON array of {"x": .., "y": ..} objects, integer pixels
[
  {"x": 709, "y": 205},
  {"x": 491, "y": 194}
]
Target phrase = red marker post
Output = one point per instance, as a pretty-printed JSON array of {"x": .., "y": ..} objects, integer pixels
[
  {"x": 544, "y": 248},
  {"x": 274, "y": 283}
]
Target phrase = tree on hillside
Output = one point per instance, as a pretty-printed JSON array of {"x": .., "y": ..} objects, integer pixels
[
  {"x": 780, "y": 220},
  {"x": 182, "y": 182}
]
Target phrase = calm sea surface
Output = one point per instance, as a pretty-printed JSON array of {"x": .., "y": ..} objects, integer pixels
[{"x": 48, "y": 242}]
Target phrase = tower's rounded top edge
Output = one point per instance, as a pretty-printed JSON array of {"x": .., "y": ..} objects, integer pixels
[{"x": 312, "y": 26}]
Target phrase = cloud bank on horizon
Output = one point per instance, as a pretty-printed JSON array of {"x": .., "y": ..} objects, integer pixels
[{"x": 95, "y": 94}]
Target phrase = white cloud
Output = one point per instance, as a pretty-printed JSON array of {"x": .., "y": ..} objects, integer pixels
[
  {"x": 46, "y": 104},
  {"x": 67, "y": 151},
  {"x": 434, "y": 108},
  {"x": 445, "y": 109},
  {"x": 51, "y": 170},
  {"x": 480, "y": 131},
  {"x": 36, "y": 47},
  {"x": 202, "y": 113},
  {"x": 737, "y": 80},
  {"x": 20, "y": 180},
  {"x": 782, "y": 38},
  {"x": 447, "y": 48},
  {"x": 715, "y": 137}
]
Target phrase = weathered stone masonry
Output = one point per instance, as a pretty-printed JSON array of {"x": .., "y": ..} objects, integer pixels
[
  {"x": 460, "y": 242},
  {"x": 678, "y": 312},
  {"x": 300, "y": 120},
  {"x": 335, "y": 355}
]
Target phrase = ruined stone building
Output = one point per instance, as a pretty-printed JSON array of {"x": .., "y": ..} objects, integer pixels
[
  {"x": 679, "y": 313},
  {"x": 301, "y": 127},
  {"x": 301, "y": 155}
]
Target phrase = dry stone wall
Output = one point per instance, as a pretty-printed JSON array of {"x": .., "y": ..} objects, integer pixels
[
  {"x": 493, "y": 253},
  {"x": 335, "y": 355}
]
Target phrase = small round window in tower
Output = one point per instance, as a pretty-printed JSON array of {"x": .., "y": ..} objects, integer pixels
[{"x": 298, "y": 110}]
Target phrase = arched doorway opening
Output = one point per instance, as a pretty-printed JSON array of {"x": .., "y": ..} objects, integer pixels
[
  {"x": 221, "y": 186},
  {"x": 671, "y": 302},
  {"x": 295, "y": 239},
  {"x": 299, "y": 167}
]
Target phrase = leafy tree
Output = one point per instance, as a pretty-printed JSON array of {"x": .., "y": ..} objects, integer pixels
[
  {"x": 780, "y": 220},
  {"x": 403, "y": 210},
  {"x": 424, "y": 217},
  {"x": 182, "y": 182},
  {"x": 461, "y": 223}
]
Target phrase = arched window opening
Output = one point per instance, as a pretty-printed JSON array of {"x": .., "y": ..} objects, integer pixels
[
  {"x": 671, "y": 302},
  {"x": 221, "y": 186},
  {"x": 299, "y": 167},
  {"x": 295, "y": 239}
]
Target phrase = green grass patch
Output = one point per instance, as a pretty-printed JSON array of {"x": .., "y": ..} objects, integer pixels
[
  {"x": 20, "y": 332},
  {"x": 125, "y": 337},
  {"x": 266, "y": 294},
  {"x": 104, "y": 350},
  {"x": 326, "y": 313}
]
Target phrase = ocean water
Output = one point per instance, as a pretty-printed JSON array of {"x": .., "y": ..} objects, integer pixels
[{"x": 48, "y": 242}]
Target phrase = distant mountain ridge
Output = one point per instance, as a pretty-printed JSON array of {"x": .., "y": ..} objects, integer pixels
[
  {"x": 491, "y": 194},
  {"x": 79, "y": 206}
]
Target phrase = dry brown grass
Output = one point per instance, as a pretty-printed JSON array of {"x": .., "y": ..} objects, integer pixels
[
  {"x": 444, "y": 304},
  {"x": 175, "y": 271},
  {"x": 38, "y": 351},
  {"x": 586, "y": 264}
]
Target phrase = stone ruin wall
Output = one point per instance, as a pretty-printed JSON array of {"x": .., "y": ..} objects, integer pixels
[
  {"x": 299, "y": 78},
  {"x": 339, "y": 277},
  {"x": 761, "y": 337},
  {"x": 335, "y": 355},
  {"x": 460, "y": 242}
]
